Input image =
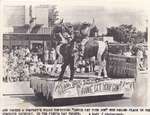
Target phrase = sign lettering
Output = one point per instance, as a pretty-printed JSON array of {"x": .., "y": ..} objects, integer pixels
[{"x": 80, "y": 88}]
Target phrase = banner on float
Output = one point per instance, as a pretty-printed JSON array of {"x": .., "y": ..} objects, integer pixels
[{"x": 82, "y": 88}]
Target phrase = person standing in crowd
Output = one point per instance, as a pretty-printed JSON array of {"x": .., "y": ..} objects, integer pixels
[
  {"x": 140, "y": 58},
  {"x": 27, "y": 58},
  {"x": 40, "y": 52},
  {"x": 27, "y": 51},
  {"x": 145, "y": 63},
  {"x": 46, "y": 55},
  {"x": 39, "y": 65},
  {"x": 15, "y": 50},
  {"x": 34, "y": 58},
  {"x": 11, "y": 54},
  {"x": 52, "y": 56}
]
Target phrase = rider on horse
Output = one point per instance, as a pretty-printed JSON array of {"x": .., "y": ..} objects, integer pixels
[{"x": 63, "y": 33}]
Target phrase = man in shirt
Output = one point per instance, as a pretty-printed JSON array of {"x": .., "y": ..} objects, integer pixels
[{"x": 63, "y": 33}]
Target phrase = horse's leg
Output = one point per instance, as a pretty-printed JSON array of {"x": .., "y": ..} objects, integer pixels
[
  {"x": 76, "y": 58},
  {"x": 56, "y": 61},
  {"x": 94, "y": 63},
  {"x": 99, "y": 59},
  {"x": 100, "y": 68},
  {"x": 104, "y": 68},
  {"x": 90, "y": 67}
]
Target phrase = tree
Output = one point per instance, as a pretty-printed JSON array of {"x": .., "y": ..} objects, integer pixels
[
  {"x": 146, "y": 35},
  {"x": 139, "y": 38},
  {"x": 126, "y": 33}
]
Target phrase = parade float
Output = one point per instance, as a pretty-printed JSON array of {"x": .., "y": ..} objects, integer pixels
[{"x": 122, "y": 72}]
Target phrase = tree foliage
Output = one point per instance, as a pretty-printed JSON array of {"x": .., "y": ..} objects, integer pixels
[{"x": 126, "y": 33}]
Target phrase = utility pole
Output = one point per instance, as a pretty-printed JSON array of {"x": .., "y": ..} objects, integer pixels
[
  {"x": 32, "y": 21},
  {"x": 146, "y": 37}
]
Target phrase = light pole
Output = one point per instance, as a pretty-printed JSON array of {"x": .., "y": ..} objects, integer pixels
[{"x": 146, "y": 37}]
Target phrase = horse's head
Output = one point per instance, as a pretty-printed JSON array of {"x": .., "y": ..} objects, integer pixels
[
  {"x": 82, "y": 32},
  {"x": 94, "y": 31},
  {"x": 85, "y": 29}
]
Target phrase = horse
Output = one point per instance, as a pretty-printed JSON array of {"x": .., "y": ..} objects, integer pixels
[
  {"x": 93, "y": 34},
  {"x": 93, "y": 48}
]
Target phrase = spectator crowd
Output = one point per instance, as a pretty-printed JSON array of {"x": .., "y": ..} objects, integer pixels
[{"x": 19, "y": 62}]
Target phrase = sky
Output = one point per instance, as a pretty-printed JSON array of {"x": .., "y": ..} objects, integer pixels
[
  {"x": 105, "y": 16},
  {"x": 106, "y": 13}
]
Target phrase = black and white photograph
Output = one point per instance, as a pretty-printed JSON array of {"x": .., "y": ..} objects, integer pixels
[{"x": 66, "y": 54}]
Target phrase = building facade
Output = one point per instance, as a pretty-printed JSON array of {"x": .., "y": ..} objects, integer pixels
[
  {"x": 20, "y": 15},
  {"x": 18, "y": 18}
]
